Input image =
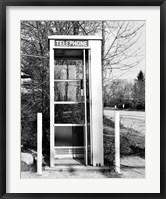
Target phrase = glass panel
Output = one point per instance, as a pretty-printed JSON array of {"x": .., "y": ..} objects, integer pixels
[
  {"x": 69, "y": 113},
  {"x": 68, "y": 69},
  {"x": 69, "y": 136},
  {"x": 68, "y": 53},
  {"x": 68, "y": 91}
]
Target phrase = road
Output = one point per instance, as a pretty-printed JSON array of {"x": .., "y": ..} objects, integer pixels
[{"x": 131, "y": 119}]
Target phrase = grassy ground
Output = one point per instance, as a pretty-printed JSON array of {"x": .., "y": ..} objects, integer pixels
[
  {"x": 133, "y": 167},
  {"x": 132, "y": 143}
]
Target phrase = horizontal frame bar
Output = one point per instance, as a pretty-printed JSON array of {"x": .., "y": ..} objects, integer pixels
[
  {"x": 70, "y": 48},
  {"x": 69, "y": 125},
  {"x": 74, "y": 37},
  {"x": 68, "y": 147},
  {"x": 66, "y": 102},
  {"x": 67, "y": 80}
]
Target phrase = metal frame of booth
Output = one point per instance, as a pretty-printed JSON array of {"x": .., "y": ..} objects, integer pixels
[{"x": 93, "y": 46}]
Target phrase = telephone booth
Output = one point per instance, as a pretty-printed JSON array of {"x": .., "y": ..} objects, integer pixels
[{"x": 76, "y": 108}]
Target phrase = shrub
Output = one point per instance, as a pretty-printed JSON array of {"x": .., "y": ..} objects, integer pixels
[
  {"x": 131, "y": 143},
  {"x": 29, "y": 135},
  {"x": 109, "y": 150}
]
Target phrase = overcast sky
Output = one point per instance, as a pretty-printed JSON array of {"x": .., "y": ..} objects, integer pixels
[{"x": 131, "y": 74}]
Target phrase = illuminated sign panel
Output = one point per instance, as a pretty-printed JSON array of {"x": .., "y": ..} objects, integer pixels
[{"x": 71, "y": 43}]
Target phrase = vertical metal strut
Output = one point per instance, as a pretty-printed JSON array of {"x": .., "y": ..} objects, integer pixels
[{"x": 85, "y": 103}]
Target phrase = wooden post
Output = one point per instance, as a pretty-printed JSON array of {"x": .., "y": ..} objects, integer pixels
[
  {"x": 117, "y": 142},
  {"x": 39, "y": 143}
]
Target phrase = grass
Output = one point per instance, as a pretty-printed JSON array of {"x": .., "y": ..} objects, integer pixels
[{"x": 131, "y": 142}]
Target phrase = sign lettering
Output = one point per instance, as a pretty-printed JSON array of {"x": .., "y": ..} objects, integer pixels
[{"x": 72, "y": 43}]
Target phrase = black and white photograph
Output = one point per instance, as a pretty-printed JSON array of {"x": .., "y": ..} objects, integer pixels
[{"x": 82, "y": 86}]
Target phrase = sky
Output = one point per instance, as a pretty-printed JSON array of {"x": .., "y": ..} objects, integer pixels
[{"x": 131, "y": 74}]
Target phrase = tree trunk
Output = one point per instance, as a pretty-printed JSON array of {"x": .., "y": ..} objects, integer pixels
[{"x": 103, "y": 43}]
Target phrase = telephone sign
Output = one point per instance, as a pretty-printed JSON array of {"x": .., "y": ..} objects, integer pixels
[{"x": 71, "y": 43}]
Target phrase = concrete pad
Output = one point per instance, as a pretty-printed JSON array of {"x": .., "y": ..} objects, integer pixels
[
  {"x": 73, "y": 164},
  {"x": 69, "y": 161}
]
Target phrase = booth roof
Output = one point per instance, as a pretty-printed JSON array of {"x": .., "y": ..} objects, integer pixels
[{"x": 75, "y": 37}]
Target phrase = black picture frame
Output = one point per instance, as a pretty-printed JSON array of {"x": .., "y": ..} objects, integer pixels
[{"x": 3, "y": 5}]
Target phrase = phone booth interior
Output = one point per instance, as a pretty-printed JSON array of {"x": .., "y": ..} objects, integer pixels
[{"x": 73, "y": 133}]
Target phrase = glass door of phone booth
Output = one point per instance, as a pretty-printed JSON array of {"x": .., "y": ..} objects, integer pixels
[{"x": 72, "y": 104}]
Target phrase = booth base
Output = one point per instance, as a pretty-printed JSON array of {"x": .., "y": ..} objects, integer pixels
[{"x": 68, "y": 164}]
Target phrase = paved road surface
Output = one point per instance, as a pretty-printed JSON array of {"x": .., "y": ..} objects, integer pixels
[{"x": 131, "y": 119}]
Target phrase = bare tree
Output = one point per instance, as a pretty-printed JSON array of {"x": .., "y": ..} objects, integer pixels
[
  {"x": 121, "y": 50},
  {"x": 119, "y": 92},
  {"x": 121, "y": 47}
]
